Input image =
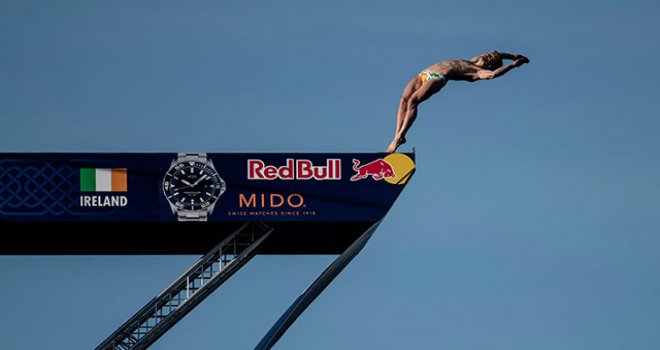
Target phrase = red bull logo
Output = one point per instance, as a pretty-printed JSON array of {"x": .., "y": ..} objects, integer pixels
[
  {"x": 395, "y": 169},
  {"x": 378, "y": 169},
  {"x": 294, "y": 169}
]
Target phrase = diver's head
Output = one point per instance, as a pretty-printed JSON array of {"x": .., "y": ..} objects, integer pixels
[{"x": 490, "y": 61}]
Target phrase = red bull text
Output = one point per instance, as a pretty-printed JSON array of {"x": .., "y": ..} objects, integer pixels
[{"x": 294, "y": 169}]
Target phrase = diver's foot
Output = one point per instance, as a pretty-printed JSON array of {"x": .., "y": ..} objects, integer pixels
[{"x": 395, "y": 144}]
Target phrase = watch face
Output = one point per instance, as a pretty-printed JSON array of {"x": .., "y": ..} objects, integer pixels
[{"x": 193, "y": 185}]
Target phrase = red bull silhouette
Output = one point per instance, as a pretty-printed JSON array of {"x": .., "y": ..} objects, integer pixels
[{"x": 378, "y": 170}]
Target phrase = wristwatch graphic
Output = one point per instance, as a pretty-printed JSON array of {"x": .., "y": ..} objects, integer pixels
[{"x": 192, "y": 186}]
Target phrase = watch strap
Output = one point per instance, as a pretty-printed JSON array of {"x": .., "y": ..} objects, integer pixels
[
  {"x": 191, "y": 157},
  {"x": 197, "y": 215}
]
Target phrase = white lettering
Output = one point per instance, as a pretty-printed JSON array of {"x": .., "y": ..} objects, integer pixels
[
  {"x": 294, "y": 169},
  {"x": 103, "y": 201}
]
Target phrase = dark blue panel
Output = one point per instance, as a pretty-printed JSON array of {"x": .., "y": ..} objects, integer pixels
[{"x": 257, "y": 187}]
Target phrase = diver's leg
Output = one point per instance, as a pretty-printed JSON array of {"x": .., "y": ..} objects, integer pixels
[
  {"x": 427, "y": 90},
  {"x": 408, "y": 91}
]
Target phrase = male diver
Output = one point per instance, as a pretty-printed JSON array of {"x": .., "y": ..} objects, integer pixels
[{"x": 433, "y": 79}]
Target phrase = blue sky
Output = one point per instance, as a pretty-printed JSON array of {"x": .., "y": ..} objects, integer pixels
[{"x": 532, "y": 222}]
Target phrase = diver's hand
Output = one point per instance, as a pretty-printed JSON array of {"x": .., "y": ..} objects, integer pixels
[
  {"x": 521, "y": 57},
  {"x": 520, "y": 61}
]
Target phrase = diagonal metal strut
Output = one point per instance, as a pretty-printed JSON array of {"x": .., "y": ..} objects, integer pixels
[
  {"x": 187, "y": 291},
  {"x": 314, "y": 290}
]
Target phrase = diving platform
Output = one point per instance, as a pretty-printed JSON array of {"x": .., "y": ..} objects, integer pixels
[{"x": 224, "y": 207}]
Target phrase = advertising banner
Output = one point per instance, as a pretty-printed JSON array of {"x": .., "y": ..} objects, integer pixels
[{"x": 318, "y": 202}]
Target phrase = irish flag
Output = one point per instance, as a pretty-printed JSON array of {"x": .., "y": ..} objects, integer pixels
[{"x": 103, "y": 180}]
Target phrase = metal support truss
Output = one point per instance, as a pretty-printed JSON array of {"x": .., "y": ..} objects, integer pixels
[
  {"x": 187, "y": 291},
  {"x": 314, "y": 290}
]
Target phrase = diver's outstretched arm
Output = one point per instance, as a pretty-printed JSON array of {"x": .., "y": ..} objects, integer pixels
[
  {"x": 513, "y": 57},
  {"x": 485, "y": 74}
]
